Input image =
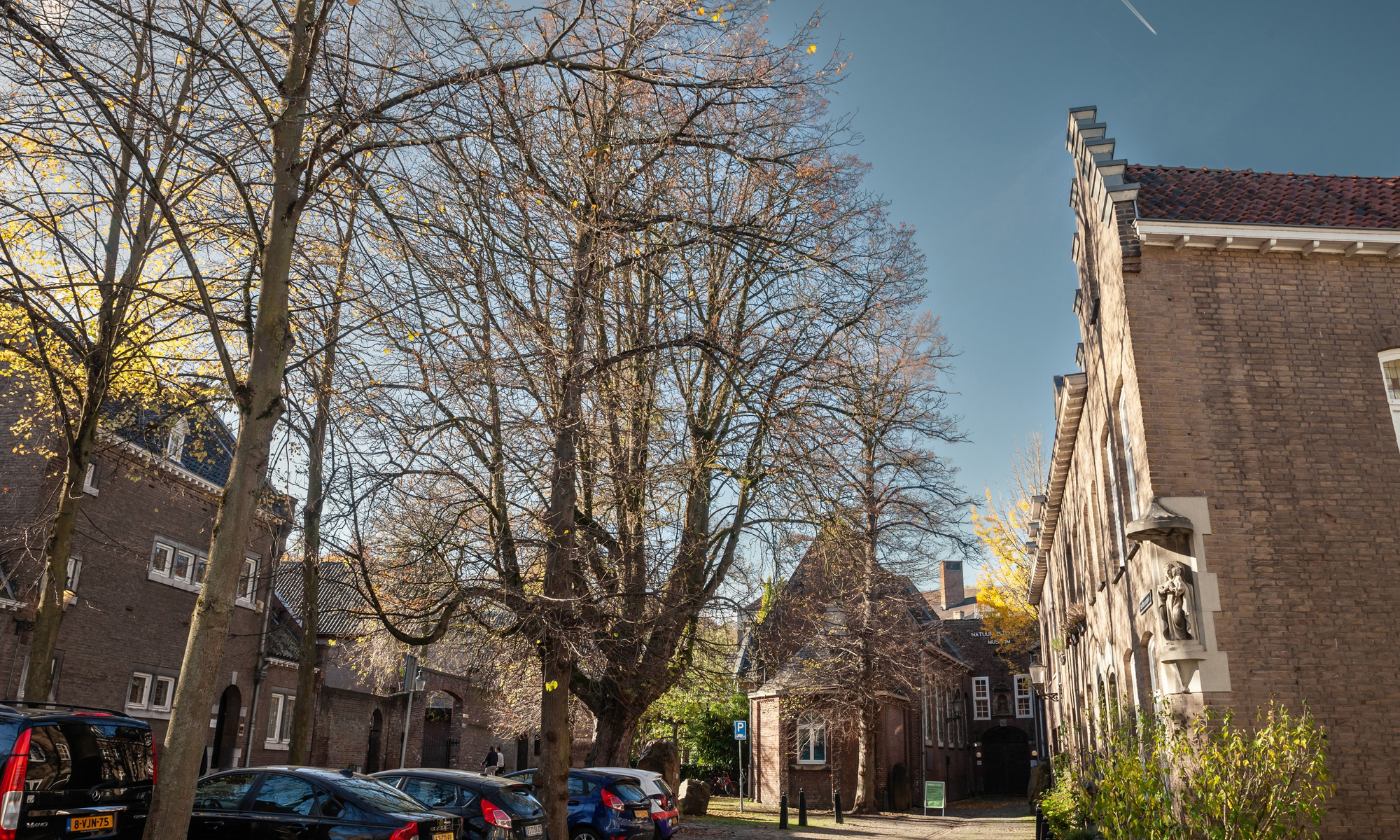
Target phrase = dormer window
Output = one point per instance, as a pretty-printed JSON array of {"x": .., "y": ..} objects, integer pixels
[{"x": 175, "y": 441}]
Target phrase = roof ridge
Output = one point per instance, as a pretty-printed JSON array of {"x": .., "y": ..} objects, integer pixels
[{"x": 1227, "y": 171}]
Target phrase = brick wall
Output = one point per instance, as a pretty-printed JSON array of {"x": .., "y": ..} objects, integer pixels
[{"x": 1264, "y": 395}]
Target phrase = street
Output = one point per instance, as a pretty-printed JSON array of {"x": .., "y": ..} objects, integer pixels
[{"x": 981, "y": 819}]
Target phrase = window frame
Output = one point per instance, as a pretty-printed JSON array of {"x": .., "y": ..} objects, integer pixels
[
  {"x": 90, "y": 479},
  {"x": 175, "y": 441},
  {"x": 1017, "y": 682},
  {"x": 279, "y": 720},
  {"x": 812, "y": 729},
  {"x": 148, "y": 680},
  {"x": 1130, "y": 488},
  {"x": 1392, "y": 397},
  {"x": 169, "y": 694},
  {"x": 981, "y": 698},
  {"x": 73, "y": 574},
  {"x": 197, "y": 568}
]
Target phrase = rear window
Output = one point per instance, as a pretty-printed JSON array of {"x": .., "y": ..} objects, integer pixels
[
  {"x": 629, "y": 792},
  {"x": 87, "y": 755},
  {"x": 379, "y": 796},
  {"x": 665, "y": 788},
  {"x": 518, "y": 800}
]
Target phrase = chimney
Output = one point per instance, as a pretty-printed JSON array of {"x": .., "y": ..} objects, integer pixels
[{"x": 951, "y": 582}]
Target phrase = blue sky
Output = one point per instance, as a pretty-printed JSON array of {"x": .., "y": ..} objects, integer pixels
[{"x": 962, "y": 106}]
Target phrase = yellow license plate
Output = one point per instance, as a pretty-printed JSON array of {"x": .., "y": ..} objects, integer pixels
[
  {"x": 442, "y": 835},
  {"x": 96, "y": 822},
  {"x": 641, "y": 815}
]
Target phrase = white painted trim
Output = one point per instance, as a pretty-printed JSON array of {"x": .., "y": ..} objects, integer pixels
[
  {"x": 985, "y": 684},
  {"x": 1347, "y": 242}
]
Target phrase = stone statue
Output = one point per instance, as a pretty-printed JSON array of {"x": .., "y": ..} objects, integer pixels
[{"x": 1174, "y": 604}]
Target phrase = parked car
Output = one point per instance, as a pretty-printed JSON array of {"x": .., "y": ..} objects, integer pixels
[
  {"x": 491, "y": 807},
  {"x": 665, "y": 811},
  {"x": 73, "y": 771},
  {"x": 602, "y": 806},
  {"x": 310, "y": 803}
]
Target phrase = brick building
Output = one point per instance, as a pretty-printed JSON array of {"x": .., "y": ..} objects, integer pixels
[
  {"x": 969, "y": 723},
  {"x": 1220, "y": 524},
  {"x": 138, "y": 559}
]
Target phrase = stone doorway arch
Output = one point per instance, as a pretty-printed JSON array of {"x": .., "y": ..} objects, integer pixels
[{"x": 225, "y": 753}]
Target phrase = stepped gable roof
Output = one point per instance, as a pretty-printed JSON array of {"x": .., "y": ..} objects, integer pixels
[
  {"x": 341, "y": 606},
  {"x": 1246, "y": 197}
]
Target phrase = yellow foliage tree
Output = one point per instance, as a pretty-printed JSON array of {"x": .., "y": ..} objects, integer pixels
[{"x": 1004, "y": 588}]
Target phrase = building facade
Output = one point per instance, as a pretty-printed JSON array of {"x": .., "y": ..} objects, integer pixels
[
  {"x": 1220, "y": 519},
  {"x": 968, "y": 720}
]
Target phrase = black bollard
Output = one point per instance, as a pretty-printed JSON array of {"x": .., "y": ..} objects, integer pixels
[
  {"x": 836, "y": 798},
  {"x": 782, "y": 812},
  {"x": 802, "y": 806}
]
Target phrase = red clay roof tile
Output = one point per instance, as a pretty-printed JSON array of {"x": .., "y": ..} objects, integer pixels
[{"x": 1266, "y": 198}]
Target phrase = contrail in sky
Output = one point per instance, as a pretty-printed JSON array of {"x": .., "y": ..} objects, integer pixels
[{"x": 1139, "y": 16}]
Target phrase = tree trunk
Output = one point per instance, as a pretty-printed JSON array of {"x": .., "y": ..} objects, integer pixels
[
  {"x": 304, "y": 712},
  {"x": 556, "y": 659},
  {"x": 865, "y": 801},
  {"x": 614, "y": 730},
  {"x": 260, "y": 405},
  {"x": 38, "y": 681}
]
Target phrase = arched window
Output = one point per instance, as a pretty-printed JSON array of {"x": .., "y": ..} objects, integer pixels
[
  {"x": 175, "y": 440},
  {"x": 811, "y": 741}
]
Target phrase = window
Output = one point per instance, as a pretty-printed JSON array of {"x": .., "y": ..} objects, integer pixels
[
  {"x": 1023, "y": 695},
  {"x": 434, "y": 794},
  {"x": 1115, "y": 510},
  {"x": 279, "y": 720},
  {"x": 811, "y": 743},
  {"x": 1390, "y": 370},
  {"x": 90, "y": 479},
  {"x": 1129, "y": 472},
  {"x": 75, "y": 569},
  {"x": 222, "y": 793},
  {"x": 187, "y": 568},
  {"x": 138, "y": 691},
  {"x": 981, "y": 698},
  {"x": 248, "y": 581},
  {"x": 175, "y": 441},
  {"x": 162, "y": 693},
  {"x": 161, "y": 557},
  {"x": 938, "y": 703},
  {"x": 286, "y": 795}
]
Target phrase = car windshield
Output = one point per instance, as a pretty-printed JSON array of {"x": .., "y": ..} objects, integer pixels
[
  {"x": 519, "y": 801},
  {"x": 378, "y": 795},
  {"x": 629, "y": 791}
]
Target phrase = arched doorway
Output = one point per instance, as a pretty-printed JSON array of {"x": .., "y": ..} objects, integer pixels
[
  {"x": 1006, "y": 761},
  {"x": 225, "y": 754},
  {"x": 375, "y": 750},
  {"x": 440, "y": 737}
]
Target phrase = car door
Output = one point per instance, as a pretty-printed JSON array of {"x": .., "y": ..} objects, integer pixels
[
  {"x": 583, "y": 805},
  {"x": 288, "y": 807},
  {"x": 219, "y": 802}
]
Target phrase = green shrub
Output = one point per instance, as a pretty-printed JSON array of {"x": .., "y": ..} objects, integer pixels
[
  {"x": 1063, "y": 804},
  {"x": 1210, "y": 779}
]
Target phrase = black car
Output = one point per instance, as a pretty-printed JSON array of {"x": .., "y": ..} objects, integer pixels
[
  {"x": 310, "y": 803},
  {"x": 491, "y": 808},
  {"x": 72, "y": 771}
]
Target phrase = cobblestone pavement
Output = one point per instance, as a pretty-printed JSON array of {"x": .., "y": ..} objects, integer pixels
[{"x": 976, "y": 820}]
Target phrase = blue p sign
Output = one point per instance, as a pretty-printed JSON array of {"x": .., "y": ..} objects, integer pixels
[{"x": 741, "y": 730}]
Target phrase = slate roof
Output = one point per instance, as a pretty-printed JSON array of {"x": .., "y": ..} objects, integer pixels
[
  {"x": 342, "y": 608},
  {"x": 1173, "y": 193},
  {"x": 209, "y": 444}
]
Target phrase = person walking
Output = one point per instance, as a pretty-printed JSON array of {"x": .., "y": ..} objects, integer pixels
[{"x": 492, "y": 765}]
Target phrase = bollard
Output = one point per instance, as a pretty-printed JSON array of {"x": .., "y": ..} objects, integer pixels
[
  {"x": 836, "y": 799},
  {"x": 782, "y": 812},
  {"x": 802, "y": 806},
  {"x": 1041, "y": 832}
]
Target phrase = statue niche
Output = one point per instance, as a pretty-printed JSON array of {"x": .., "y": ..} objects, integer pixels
[{"x": 1174, "y": 604}]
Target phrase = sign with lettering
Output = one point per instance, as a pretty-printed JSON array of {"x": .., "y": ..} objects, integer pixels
[
  {"x": 741, "y": 730},
  {"x": 934, "y": 796},
  {"x": 1146, "y": 603}
]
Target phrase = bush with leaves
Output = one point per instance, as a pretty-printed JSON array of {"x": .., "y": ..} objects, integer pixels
[
  {"x": 1210, "y": 778},
  {"x": 1064, "y": 803}
]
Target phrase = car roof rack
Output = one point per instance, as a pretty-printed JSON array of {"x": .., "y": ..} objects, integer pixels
[{"x": 74, "y": 706}]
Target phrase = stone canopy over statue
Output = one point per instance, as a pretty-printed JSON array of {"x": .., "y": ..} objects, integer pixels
[{"x": 1174, "y": 604}]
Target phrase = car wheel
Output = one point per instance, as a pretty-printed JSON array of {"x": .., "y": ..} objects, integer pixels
[{"x": 585, "y": 834}]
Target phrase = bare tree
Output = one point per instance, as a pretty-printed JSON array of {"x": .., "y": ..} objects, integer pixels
[{"x": 891, "y": 498}]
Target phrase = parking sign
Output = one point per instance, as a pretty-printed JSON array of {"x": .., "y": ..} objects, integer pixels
[{"x": 741, "y": 730}]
